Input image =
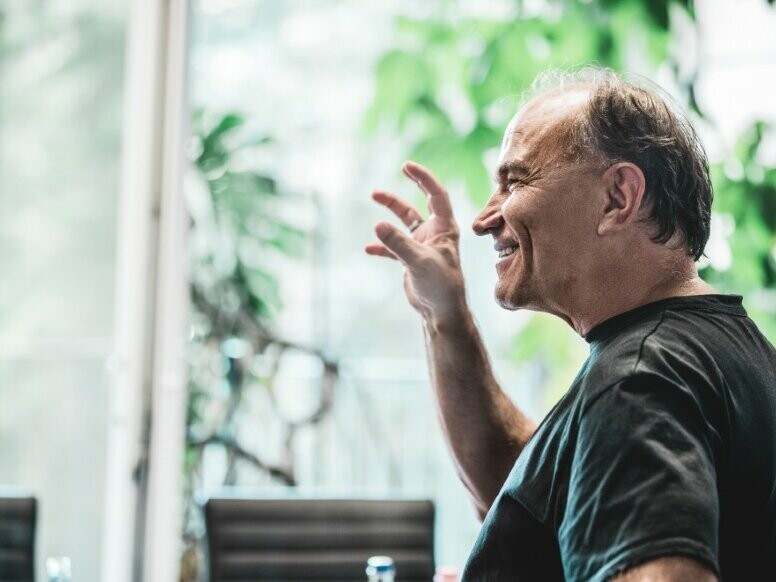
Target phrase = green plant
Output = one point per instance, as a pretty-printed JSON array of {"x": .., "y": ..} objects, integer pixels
[
  {"x": 745, "y": 206},
  {"x": 237, "y": 224}
]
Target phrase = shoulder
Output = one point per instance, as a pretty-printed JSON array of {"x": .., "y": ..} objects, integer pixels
[{"x": 666, "y": 350}]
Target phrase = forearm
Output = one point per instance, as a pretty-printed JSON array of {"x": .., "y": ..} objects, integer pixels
[{"x": 485, "y": 430}]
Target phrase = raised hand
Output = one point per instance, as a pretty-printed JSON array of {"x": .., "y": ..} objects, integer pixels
[{"x": 433, "y": 281}]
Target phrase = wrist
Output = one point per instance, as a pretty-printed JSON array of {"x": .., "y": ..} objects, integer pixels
[{"x": 452, "y": 321}]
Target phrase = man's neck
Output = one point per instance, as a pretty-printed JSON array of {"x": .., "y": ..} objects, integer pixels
[{"x": 624, "y": 291}]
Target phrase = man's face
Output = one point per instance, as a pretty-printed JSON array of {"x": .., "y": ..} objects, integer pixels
[{"x": 543, "y": 212}]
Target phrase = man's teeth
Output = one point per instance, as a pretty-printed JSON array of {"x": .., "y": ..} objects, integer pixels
[{"x": 507, "y": 251}]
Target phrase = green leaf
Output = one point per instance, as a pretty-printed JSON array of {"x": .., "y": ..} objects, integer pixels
[
  {"x": 402, "y": 80},
  {"x": 627, "y": 20},
  {"x": 265, "y": 292},
  {"x": 214, "y": 153},
  {"x": 505, "y": 68},
  {"x": 286, "y": 238},
  {"x": 249, "y": 183},
  {"x": 658, "y": 12},
  {"x": 226, "y": 124}
]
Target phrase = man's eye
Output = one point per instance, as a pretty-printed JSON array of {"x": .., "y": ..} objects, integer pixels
[{"x": 514, "y": 185}]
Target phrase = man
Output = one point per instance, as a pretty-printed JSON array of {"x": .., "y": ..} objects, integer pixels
[{"x": 659, "y": 463}]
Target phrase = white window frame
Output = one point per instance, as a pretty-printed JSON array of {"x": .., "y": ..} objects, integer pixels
[{"x": 148, "y": 391}]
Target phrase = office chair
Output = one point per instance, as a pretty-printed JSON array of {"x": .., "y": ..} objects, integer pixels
[
  {"x": 317, "y": 539},
  {"x": 17, "y": 538}
]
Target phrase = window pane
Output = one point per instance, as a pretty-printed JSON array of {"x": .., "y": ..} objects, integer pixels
[{"x": 61, "y": 70}]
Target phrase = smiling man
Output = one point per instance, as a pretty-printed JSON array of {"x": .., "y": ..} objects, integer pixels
[{"x": 659, "y": 462}]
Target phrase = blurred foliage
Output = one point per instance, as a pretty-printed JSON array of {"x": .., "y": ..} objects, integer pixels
[
  {"x": 239, "y": 220},
  {"x": 453, "y": 82},
  {"x": 745, "y": 208},
  {"x": 238, "y": 235}
]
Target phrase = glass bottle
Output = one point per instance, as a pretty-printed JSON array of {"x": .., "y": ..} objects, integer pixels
[
  {"x": 380, "y": 569},
  {"x": 58, "y": 569}
]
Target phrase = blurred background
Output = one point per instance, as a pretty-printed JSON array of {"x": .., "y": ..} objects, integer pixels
[{"x": 185, "y": 305}]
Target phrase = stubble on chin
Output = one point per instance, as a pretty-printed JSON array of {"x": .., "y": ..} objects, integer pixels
[{"x": 507, "y": 298}]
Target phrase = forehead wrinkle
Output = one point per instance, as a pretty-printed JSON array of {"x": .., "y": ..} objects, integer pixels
[
  {"x": 539, "y": 136},
  {"x": 542, "y": 129},
  {"x": 543, "y": 142},
  {"x": 531, "y": 147}
]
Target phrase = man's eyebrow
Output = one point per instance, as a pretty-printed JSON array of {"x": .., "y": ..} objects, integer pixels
[{"x": 512, "y": 167}]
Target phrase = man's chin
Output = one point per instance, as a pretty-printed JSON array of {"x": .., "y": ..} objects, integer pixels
[
  {"x": 507, "y": 305},
  {"x": 508, "y": 301}
]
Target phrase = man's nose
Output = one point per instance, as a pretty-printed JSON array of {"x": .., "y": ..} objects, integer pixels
[{"x": 490, "y": 217}]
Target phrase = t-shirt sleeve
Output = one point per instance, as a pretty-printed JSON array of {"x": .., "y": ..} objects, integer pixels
[{"x": 642, "y": 483}]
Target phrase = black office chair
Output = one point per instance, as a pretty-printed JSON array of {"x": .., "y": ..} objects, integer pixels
[
  {"x": 17, "y": 538},
  {"x": 317, "y": 539}
]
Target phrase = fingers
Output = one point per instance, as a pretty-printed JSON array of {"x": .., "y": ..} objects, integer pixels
[
  {"x": 438, "y": 199},
  {"x": 379, "y": 250},
  {"x": 403, "y": 246},
  {"x": 400, "y": 207}
]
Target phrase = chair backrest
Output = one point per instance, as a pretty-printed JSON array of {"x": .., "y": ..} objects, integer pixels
[
  {"x": 17, "y": 538},
  {"x": 317, "y": 539}
]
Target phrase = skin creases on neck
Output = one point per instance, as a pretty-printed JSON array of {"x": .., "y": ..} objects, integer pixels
[{"x": 634, "y": 288}]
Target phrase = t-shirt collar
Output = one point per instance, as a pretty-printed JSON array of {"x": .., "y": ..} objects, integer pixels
[{"x": 728, "y": 303}]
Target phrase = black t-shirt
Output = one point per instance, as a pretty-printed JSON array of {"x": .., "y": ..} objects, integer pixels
[{"x": 665, "y": 445}]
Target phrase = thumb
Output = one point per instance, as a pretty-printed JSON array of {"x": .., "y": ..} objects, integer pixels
[{"x": 402, "y": 245}]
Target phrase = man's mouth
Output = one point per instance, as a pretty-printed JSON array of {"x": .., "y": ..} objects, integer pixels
[{"x": 506, "y": 251}]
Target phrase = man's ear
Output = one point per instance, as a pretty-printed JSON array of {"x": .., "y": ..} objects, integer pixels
[{"x": 624, "y": 185}]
